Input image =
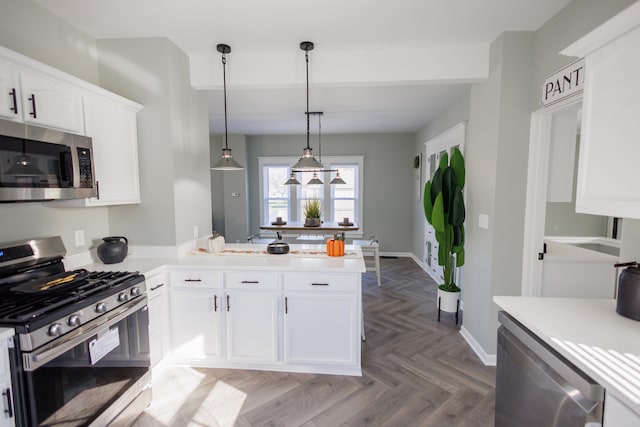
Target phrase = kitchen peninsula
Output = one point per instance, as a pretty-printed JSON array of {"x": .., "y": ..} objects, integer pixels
[{"x": 244, "y": 308}]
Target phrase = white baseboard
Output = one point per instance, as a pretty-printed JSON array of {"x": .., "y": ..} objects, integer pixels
[
  {"x": 487, "y": 359},
  {"x": 398, "y": 254}
]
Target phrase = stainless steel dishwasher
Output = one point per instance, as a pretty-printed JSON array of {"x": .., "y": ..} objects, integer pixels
[{"x": 538, "y": 387}]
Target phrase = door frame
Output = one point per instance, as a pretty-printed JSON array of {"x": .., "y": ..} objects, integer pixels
[{"x": 536, "y": 197}]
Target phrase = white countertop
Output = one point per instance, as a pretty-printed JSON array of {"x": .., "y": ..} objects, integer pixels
[
  {"x": 567, "y": 253},
  {"x": 590, "y": 334},
  {"x": 248, "y": 257}
]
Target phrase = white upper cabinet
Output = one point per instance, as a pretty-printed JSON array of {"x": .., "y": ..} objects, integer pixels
[
  {"x": 608, "y": 172},
  {"x": 34, "y": 93},
  {"x": 10, "y": 89},
  {"x": 50, "y": 103},
  {"x": 112, "y": 127}
]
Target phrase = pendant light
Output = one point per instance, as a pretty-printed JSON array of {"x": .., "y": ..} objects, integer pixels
[
  {"x": 226, "y": 162},
  {"x": 338, "y": 179},
  {"x": 307, "y": 161},
  {"x": 292, "y": 180}
]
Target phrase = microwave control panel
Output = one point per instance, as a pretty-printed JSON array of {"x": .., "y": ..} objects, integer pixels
[{"x": 84, "y": 165}]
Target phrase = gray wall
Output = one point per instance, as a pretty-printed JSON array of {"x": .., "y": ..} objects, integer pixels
[
  {"x": 497, "y": 148},
  {"x": 389, "y": 192},
  {"x": 453, "y": 114},
  {"x": 30, "y": 30},
  {"x": 173, "y": 141}
]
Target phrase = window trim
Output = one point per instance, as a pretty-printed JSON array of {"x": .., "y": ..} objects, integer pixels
[{"x": 332, "y": 162}]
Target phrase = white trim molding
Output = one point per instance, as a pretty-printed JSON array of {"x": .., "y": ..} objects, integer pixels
[{"x": 487, "y": 359}]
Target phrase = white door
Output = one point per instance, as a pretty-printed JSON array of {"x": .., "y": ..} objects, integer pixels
[
  {"x": 321, "y": 328},
  {"x": 195, "y": 324},
  {"x": 252, "y": 325},
  {"x": 7, "y": 407},
  {"x": 46, "y": 102}
]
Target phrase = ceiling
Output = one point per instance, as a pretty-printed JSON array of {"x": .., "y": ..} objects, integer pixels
[{"x": 378, "y": 65}]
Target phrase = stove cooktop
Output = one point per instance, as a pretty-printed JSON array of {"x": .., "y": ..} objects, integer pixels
[{"x": 30, "y": 305}]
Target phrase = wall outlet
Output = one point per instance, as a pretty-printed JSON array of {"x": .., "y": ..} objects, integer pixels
[
  {"x": 79, "y": 238},
  {"x": 196, "y": 231}
]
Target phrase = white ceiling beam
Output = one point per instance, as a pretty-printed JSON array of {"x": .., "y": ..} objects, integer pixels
[{"x": 452, "y": 64}]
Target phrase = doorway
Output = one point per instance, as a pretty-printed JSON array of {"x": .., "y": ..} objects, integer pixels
[{"x": 551, "y": 222}]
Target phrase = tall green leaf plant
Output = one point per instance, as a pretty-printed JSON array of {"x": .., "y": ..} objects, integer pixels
[{"x": 445, "y": 211}]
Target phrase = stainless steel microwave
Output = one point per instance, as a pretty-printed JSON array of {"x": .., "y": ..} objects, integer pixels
[{"x": 38, "y": 164}]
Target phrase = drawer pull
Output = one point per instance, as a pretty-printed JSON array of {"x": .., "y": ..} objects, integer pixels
[
  {"x": 157, "y": 287},
  {"x": 319, "y": 284},
  {"x": 254, "y": 282},
  {"x": 7, "y": 394},
  {"x": 193, "y": 280},
  {"x": 215, "y": 303}
]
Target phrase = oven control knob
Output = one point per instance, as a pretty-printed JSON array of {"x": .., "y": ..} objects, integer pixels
[
  {"x": 123, "y": 297},
  {"x": 101, "y": 307},
  {"x": 55, "y": 330},
  {"x": 135, "y": 291},
  {"x": 74, "y": 320}
]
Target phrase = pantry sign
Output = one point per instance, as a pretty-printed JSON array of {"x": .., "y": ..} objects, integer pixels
[{"x": 563, "y": 84}]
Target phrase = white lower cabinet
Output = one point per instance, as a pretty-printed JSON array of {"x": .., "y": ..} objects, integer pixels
[
  {"x": 299, "y": 322},
  {"x": 314, "y": 329},
  {"x": 7, "y": 407},
  {"x": 157, "y": 288},
  {"x": 321, "y": 321},
  {"x": 195, "y": 324},
  {"x": 252, "y": 325}
]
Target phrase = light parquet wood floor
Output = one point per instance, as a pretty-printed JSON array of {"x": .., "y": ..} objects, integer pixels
[{"x": 416, "y": 372}]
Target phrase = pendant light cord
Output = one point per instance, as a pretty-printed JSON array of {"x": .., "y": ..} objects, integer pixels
[
  {"x": 224, "y": 79},
  {"x": 306, "y": 58}
]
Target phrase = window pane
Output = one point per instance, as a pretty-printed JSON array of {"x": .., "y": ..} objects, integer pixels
[
  {"x": 276, "y": 177},
  {"x": 343, "y": 209},
  {"x": 278, "y": 207},
  {"x": 346, "y": 190}
]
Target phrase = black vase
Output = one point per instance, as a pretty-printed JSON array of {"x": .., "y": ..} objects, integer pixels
[{"x": 113, "y": 249}]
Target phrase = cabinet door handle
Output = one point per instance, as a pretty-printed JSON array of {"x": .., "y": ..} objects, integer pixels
[
  {"x": 228, "y": 303},
  {"x": 15, "y": 101},
  {"x": 193, "y": 280},
  {"x": 215, "y": 303},
  {"x": 286, "y": 305},
  {"x": 33, "y": 106},
  {"x": 156, "y": 287},
  {"x": 319, "y": 284},
  {"x": 7, "y": 395},
  {"x": 255, "y": 282}
]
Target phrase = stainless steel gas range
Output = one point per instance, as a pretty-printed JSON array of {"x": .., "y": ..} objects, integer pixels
[{"x": 80, "y": 355}]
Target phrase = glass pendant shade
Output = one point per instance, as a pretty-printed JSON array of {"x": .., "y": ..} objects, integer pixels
[
  {"x": 292, "y": 180},
  {"x": 226, "y": 162}
]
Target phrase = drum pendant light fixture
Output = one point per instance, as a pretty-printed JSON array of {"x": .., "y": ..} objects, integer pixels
[
  {"x": 307, "y": 161},
  {"x": 226, "y": 162}
]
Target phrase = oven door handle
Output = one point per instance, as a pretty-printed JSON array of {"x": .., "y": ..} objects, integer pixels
[{"x": 34, "y": 360}]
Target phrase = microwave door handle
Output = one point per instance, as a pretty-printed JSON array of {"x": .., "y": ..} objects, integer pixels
[{"x": 37, "y": 359}]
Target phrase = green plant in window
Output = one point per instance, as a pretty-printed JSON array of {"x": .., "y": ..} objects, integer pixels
[{"x": 312, "y": 208}]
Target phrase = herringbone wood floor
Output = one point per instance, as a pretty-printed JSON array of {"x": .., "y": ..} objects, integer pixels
[{"x": 416, "y": 372}]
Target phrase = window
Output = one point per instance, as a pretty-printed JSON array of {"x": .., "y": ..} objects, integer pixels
[{"x": 287, "y": 201}]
